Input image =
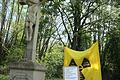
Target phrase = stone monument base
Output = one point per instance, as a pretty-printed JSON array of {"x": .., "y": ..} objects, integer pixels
[{"x": 26, "y": 71}]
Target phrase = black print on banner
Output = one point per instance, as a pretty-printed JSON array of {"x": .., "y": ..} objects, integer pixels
[{"x": 84, "y": 64}]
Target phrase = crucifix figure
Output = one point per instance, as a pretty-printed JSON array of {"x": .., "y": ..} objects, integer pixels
[
  {"x": 33, "y": 7},
  {"x": 31, "y": 27},
  {"x": 31, "y": 18}
]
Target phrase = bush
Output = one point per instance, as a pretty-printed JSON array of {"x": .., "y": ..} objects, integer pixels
[
  {"x": 54, "y": 63},
  {"x": 3, "y": 77}
]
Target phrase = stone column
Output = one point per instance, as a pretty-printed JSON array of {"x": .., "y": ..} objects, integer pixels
[{"x": 30, "y": 52}]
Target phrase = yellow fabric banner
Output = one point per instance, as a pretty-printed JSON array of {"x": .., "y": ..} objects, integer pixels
[{"x": 92, "y": 54}]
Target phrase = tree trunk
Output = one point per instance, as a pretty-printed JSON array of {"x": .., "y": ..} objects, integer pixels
[
  {"x": 9, "y": 23},
  {"x": 4, "y": 12},
  {"x": 76, "y": 40},
  {"x": 3, "y": 17}
]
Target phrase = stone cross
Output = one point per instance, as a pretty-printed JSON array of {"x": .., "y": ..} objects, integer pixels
[
  {"x": 29, "y": 69},
  {"x": 31, "y": 28}
]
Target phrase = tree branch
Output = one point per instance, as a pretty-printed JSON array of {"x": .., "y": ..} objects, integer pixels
[{"x": 69, "y": 38}]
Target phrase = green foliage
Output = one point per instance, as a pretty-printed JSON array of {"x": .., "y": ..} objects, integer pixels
[
  {"x": 15, "y": 54},
  {"x": 113, "y": 54},
  {"x": 3, "y": 77},
  {"x": 54, "y": 63}
]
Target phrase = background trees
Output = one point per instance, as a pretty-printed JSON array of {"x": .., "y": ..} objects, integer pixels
[{"x": 73, "y": 23}]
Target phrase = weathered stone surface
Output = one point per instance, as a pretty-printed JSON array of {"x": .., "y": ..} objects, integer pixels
[{"x": 27, "y": 71}]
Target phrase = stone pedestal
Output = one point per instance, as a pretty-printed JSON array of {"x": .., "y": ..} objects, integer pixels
[{"x": 26, "y": 71}]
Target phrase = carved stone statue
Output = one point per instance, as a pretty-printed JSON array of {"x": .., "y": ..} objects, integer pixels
[
  {"x": 31, "y": 16},
  {"x": 28, "y": 68}
]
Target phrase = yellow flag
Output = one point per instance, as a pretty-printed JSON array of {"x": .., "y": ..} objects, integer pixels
[{"x": 92, "y": 54}]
